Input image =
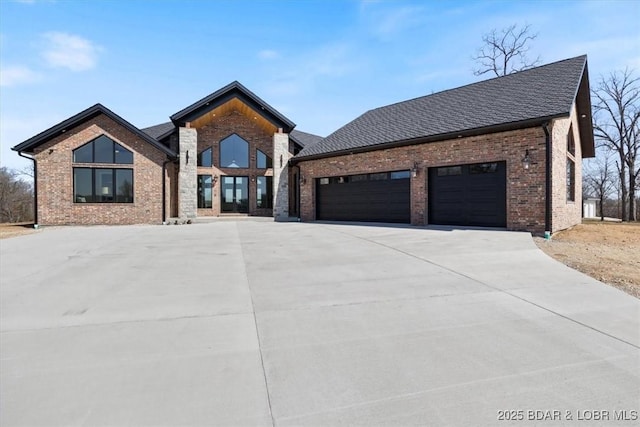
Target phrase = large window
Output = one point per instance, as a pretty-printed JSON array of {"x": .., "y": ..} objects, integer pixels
[
  {"x": 263, "y": 161},
  {"x": 234, "y": 152},
  {"x": 103, "y": 150},
  {"x": 93, "y": 185},
  {"x": 571, "y": 180},
  {"x": 205, "y": 199},
  {"x": 265, "y": 192},
  {"x": 205, "y": 158}
]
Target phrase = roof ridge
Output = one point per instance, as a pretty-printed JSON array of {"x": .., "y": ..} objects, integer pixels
[{"x": 478, "y": 82}]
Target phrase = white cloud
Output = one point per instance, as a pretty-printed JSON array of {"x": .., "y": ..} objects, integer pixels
[
  {"x": 63, "y": 50},
  {"x": 268, "y": 54},
  {"x": 17, "y": 75}
]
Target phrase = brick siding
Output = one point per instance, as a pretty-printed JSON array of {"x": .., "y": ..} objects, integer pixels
[
  {"x": 525, "y": 188},
  {"x": 55, "y": 178}
]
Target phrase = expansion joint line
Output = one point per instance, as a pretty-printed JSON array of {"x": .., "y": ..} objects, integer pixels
[
  {"x": 255, "y": 323},
  {"x": 491, "y": 287}
]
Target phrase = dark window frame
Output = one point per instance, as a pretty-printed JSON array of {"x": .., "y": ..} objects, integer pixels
[
  {"x": 268, "y": 164},
  {"x": 114, "y": 154},
  {"x": 571, "y": 143},
  {"x": 269, "y": 194},
  {"x": 571, "y": 180},
  {"x": 201, "y": 157},
  {"x": 223, "y": 141},
  {"x": 100, "y": 198},
  {"x": 202, "y": 201}
]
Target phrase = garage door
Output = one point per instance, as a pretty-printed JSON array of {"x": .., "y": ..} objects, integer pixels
[
  {"x": 379, "y": 197},
  {"x": 468, "y": 195}
]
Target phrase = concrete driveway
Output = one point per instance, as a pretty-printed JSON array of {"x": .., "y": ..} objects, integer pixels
[{"x": 251, "y": 322}]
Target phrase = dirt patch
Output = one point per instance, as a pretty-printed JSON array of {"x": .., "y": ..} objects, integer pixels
[
  {"x": 606, "y": 251},
  {"x": 17, "y": 229}
]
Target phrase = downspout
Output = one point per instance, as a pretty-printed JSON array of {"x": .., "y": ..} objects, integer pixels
[
  {"x": 35, "y": 188},
  {"x": 547, "y": 191}
]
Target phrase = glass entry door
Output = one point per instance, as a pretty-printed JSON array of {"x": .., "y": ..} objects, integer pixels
[{"x": 235, "y": 194}]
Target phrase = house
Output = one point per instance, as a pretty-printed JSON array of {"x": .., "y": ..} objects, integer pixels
[{"x": 505, "y": 152}]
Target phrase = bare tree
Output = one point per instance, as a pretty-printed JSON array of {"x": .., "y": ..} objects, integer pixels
[
  {"x": 505, "y": 52},
  {"x": 599, "y": 181},
  {"x": 16, "y": 197},
  {"x": 616, "y": 127}
]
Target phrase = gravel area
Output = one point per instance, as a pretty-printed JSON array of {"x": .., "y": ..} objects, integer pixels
[{"x": 606, "y": 251}]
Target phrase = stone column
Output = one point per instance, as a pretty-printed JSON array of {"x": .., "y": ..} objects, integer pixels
[
  {"x": 281, "y": 156},
  {"x": 188, "y": 173}
]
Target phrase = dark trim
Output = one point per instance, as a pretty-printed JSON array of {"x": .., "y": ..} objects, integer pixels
[
  {"x": 433, "y": 138},
  {"x": 547, "y": 187},
  {"x": 35, "y": 188},
  {"x": 583, "y": 107},
  {"x": 221, "y": 96},
  {"x": 74, "y": 121}
]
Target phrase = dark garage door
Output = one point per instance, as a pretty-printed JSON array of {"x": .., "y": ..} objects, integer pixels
[
  {"x": 378, "y": 197},
  {"x": 468, "y": 195}
]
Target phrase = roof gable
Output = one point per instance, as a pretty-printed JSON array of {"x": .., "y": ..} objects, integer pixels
[
  {"x": 225, "y": 94},
  {"x": 522, "y": 99},
  {"x": 30, "y": 144}
]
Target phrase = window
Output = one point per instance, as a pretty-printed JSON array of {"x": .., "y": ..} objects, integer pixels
[
  {"x": 234, "y": 152},
  {"x": 450, "y": 170},
  {"x": 378, "y": 176},
  {"x": 102, "y": 185},
  {"x": 571, "y": 180},
  {"x": 205, "y": 196},
  {"x": 571, "y": 144},
  {"x": 263, "y": 161},
  {"x": 358, "y": 178},
  {"x": 103, "y": 150},
  {"x": 401, "y": 175},
  {"x": 483, "y": 168},
  {"x": 265, "y": 192},
  {"x": 324, "y": 181},
  {"x": 205, "y": 158}
]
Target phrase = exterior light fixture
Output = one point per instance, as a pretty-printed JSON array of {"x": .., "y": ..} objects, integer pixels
[
  {"x": 414, "y": 170},
  {"x": 214, "y": 179},
  {"x": 526, "y": 160},
  {"x": 303, "y": 180},
  {"x": 187, "y": 157}
]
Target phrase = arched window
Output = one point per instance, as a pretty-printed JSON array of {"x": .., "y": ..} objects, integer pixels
[
  {"x": 234, "y": 152},
  {"x": 103, "y": 150}
]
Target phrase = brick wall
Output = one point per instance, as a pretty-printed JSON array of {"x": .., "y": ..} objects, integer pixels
[
  {"x": 221, "y": 127},
  {"x": 565, "y": 213},
  {"x": 525, "y": 188},
  {"x": 55, "y": 178}
]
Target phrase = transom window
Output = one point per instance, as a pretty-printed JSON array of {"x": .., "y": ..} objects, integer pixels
[
  {"x": 103, "y": 150},
  {"x": 102, "y": 185},
  {"x": 205, "y": 199},
  {"x": 263, "y": 161},
  {"x": 205, "y": 158},
  {"x": 234, "y": 152}
]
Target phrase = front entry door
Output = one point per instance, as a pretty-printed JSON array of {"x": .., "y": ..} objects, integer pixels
[{"x": 235, "y": 194}]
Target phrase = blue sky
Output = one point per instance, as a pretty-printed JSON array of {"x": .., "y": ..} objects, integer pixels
[{"x": 320, "y": 63}]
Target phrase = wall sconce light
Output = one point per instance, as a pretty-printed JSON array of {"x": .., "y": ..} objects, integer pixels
[
  {"x": 526, "y": 160},
  {"x": 187, "y": 157},
  {"x": 303, "y": 180},
  {"x": 214, "y": 179},
  {"x": 414, "y": 170},
  {"x": 280, "y": 160}
]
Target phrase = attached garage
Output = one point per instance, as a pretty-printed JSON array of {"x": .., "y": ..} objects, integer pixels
[
  {"x": 375, "y": 197},
  {"x": 472, "y": 194}
]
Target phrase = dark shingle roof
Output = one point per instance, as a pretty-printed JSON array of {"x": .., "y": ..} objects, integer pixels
[
  {"x": 536, "y": 94},
  {"x": 159, "y": 130},
  {"x": 304, "y": 139}
]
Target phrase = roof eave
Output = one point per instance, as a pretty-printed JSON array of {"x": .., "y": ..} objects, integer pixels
[
  {"x": 434, "y": 138},
  {"x": 225, "y": 93},
  {"x": 56, "y": 130},
  {"x": 585, "y": 117}
]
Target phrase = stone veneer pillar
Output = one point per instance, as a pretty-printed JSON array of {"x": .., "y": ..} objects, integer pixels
[
  {"x": 281, "y": 156},
  {"x": 188, "y": 173}
]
